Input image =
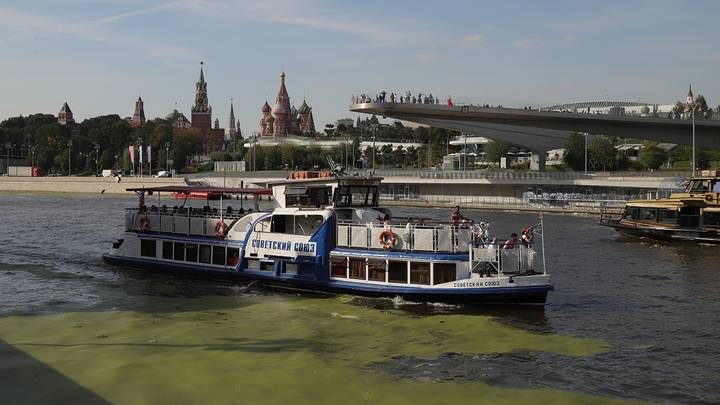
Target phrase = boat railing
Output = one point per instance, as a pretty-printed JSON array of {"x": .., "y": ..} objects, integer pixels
[
  {"x": 425, "y": 237},
  {"x": 495, "y": 259},
  {"x": 610, "y": 214},
  {"x": 184, "y": 221}
]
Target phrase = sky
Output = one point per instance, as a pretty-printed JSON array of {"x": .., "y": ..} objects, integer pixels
[{"x": 100, "y": 55}]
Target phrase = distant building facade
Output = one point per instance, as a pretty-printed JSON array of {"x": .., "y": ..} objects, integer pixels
[
  {"x": 65, "y": 116},
  {"x": 347, "y": 122},
  {"x": 138, "y": 118},
  {"x": 178, "y": 120},
  {"x": 283, "y": 119}
]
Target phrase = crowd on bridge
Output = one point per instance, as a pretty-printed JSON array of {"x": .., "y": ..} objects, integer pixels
[{"x": 408, "y": 97}]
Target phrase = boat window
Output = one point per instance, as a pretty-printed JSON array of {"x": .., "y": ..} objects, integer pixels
[
  {"x": 179, "y": 251},
  {"x": 667, "y": 216},
  {"x": 419, "y": 273},
  {"x": 356, "y": 196},
  {"x": 148, "y": 248},
  {"x": 632, "y": 213},
  {"x": 191, "y": 252},
  {"x": 167, "y": 250},
  {"x": 281, "y": 224},
  {"x": 315, "y": 197},
  {"x": 205, "y": 254},
  {"x": 376, "y": 269},
  {"x": 716, "y": 186},
  {"x": 218, "y": 255},
  {"x": 711, "y": 219},
  {"x": 357, "y": 269},
  {"x": 397, "y": 272},
  {"x": 698, "y": 186},
  {"x": 648, "y": 214},
  {"x": 263, "y": 225},
  {"x": 233, "y": 256},
  {"x": 444, "y": 273},
  {"x": 338, "y": 267},
  {"x": 307, "y": 224}
]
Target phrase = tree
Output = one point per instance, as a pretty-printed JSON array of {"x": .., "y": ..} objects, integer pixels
[
  {"x": 494, "y": 150},
  {"x": 575, "y": 151},
  {"x": 603, "y": 153},
  {"x": 652, "y": 156},
  {"x": 645, "y": 110}
]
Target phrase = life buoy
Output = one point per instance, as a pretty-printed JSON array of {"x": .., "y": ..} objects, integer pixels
[
  {"x": 220, "y": 229},
  {"x": 144, "y": 224},
  {"x": 388, "y": 239}
]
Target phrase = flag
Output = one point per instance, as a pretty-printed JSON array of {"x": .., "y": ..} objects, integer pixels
[
  {"x": 140, "y": 152},
  {"x": 131, "y": 150},
  {"x": 149, "y": 153}
]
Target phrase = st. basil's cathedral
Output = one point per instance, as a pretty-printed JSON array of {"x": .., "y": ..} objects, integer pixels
[{"x": 284, "y": 120}]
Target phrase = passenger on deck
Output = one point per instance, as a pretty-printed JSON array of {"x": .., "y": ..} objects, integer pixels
[
  {"x": 526, "y": 237},
  {"x": 456, "y": 216},
  {"x": 512, "y": 242},
  {"x": 241, "y": 211},
  {"x": 229, "y": 210}
]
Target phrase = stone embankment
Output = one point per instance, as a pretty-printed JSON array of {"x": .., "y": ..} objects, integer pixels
[{"x": 91, "y": 185}]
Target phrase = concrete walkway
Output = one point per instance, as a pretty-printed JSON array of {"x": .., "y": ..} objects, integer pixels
[{"x": 82, "y": 184}]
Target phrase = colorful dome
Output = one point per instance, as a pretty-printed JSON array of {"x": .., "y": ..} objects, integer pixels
[
  {"x": 304, "y": 108},
  {"x": 265, "y": 108}
]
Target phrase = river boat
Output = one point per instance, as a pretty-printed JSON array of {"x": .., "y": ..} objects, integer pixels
[
  {"x": 692, "y": 215},
  {"x": 328, "y": 234}
]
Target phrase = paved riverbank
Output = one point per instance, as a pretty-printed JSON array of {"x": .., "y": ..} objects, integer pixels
[{"x": 81, "y": 184}]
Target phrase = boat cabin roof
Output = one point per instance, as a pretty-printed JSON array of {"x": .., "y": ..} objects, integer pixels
[
  {"x": 343, "y": 180},
  {"x": 193, "y": 189}
]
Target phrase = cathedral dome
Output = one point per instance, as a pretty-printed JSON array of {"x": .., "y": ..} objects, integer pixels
[
  {"x": 265, "y": 108},
  {"x": 304, "y": 108}
]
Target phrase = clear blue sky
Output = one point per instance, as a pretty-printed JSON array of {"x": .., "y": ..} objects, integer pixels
[{"x": 99, "y": 55}]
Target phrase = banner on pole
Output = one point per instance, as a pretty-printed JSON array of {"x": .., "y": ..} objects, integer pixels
[{"x": 131, "y": 150}]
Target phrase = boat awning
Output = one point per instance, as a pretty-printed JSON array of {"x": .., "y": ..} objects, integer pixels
[
  {"x": 655, "y": 204},
  {"x": 210, "y": 190}
]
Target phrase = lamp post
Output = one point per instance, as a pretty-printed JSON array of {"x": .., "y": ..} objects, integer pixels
[
  {"x": 69, "y": 157},
  {"x": 8, "y": 146},
  {"x": 167, "y": 156},
  {"x": 97, "y": 159},
  {"x": 692, "y": 105},
  {"x": 586, "y": 152},
  {"x": 373, "y": 162},
  {"x": 32, "y": 151}
]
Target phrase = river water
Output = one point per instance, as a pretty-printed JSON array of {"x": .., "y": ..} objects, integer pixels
[{"x": 629, "y": 319}]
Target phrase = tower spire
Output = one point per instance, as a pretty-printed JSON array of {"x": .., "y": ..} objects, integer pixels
[{"x": 202, "y": 76}]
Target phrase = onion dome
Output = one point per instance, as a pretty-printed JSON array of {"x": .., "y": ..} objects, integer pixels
[
  {"x": 265, "y": 108},
  {"x": 293, "y": 112},
  {"x": 304, "y": 108}
]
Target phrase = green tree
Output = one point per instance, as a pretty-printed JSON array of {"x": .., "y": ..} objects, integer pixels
[
  {"x": 494, "y": 150},
  {"x": 575, "y": 151},
  {"x": 652, "y": 156},
  {"x": 603, "y": 153}
]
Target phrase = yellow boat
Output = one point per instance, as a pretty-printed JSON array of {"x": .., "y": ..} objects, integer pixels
[{"x": 692, "y": 215}]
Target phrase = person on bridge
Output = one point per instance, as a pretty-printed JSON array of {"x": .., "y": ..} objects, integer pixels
[{"x": 450, "y": 102}]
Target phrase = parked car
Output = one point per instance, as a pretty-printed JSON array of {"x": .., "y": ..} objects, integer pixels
[{"x": 163, "y": 173}]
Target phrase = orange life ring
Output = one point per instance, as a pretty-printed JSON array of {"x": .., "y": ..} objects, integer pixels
[
  {"x": 220, "y": 229},
  {"x": 144, "y": 224},
  {"x": 388, "y": 239}
]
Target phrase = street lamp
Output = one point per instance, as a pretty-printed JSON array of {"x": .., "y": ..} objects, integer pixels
[
  {"x": 586, "y": 152},
  {"x": 69, "y": 157},
  {"x": 32, "y": 150},
  {"x": 8, "y": 146},
  {"x": 167, "y": 156},
  {"x": 97, "y": 159},
  {"x": 692, "y": 106}
]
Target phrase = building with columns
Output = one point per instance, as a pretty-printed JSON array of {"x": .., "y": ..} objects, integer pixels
[{"x": 283, "y": 119}]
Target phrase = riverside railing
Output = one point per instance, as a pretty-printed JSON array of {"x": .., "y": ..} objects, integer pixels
[
  {"x": 433, "y": 237},
  {"x": 183, "y": 222}
]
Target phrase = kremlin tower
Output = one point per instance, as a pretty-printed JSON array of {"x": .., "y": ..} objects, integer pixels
[
  {"x": 201, "y": 117},
  {"x": 283, "y": 119},
  {"x": 138, "y": 119},
  {"x": 65, "y": 116}
]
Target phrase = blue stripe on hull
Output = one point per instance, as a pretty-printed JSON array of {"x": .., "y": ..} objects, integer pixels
[{"x": 502, "y": 295}]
